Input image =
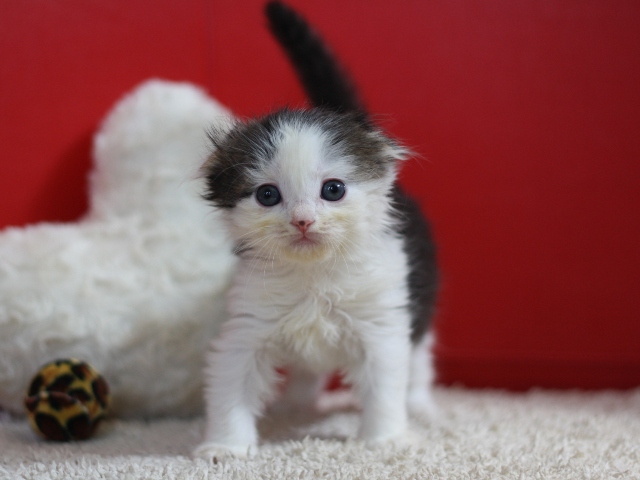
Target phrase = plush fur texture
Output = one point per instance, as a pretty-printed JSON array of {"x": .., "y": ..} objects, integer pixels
[
  {"x": 324, "y": 282},
  {"x": 135, "y": 288}
]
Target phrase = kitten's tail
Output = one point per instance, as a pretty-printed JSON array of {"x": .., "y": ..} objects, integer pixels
[{"x": 324, "y": 80}]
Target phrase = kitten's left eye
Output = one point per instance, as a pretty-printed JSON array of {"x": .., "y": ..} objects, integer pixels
[{"x": 333, "y": 190}]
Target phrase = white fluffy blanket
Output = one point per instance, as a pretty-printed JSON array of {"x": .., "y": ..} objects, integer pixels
[
  {"x": 482, "y": 435},
  {"x": 136, "y": 287}
]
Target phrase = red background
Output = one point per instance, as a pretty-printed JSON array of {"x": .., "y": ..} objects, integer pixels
[{"x": 526, "y": 115}]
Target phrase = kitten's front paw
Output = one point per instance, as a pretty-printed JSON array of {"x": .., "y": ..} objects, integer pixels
[
  {"x": 423, "y": 407},
  {"x": 217, "y": 451}
]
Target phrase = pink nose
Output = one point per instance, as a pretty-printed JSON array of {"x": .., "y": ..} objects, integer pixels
[{"x": 302, "y": 225}]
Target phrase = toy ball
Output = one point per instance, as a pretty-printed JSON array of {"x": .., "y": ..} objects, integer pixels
[{"x": 67, "y": 400}]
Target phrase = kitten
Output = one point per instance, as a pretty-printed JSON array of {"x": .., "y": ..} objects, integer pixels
[{"x": 336, "y": 265}]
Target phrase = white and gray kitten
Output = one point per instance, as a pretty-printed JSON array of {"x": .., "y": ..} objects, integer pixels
[{"x": 336, "y": 265}]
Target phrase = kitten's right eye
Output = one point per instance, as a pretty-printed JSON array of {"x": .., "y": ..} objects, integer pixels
[{"x": 268, "y": 195}]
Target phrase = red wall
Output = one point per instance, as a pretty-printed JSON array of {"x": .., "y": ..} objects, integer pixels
[{"x": 526, "y": 115}]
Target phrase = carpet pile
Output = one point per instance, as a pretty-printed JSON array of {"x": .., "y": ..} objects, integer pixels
[{"x": 480, "y": 435}]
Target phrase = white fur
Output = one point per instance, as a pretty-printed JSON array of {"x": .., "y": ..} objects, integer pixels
[
  {"x": 337, "y": 304},
  {"x": 136, "y": 287}
]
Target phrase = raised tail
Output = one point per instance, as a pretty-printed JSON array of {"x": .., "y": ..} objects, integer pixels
[{"x": 325, "y": 82}]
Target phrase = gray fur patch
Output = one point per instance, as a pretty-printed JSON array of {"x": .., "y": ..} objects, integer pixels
[{"x": 246, "y": 146}]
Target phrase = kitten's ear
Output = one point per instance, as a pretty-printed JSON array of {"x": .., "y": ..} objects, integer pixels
[
  {"x": 397, "y": 151},
  {"x": 393, "y": 149},
  {"x": 218, "y": 132}
]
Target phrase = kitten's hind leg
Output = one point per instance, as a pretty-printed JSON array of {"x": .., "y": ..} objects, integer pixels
[
  {"x": 335, "y": 400},
  {"x": 301, "y": 393},
  {"x": 420, "y": 401}
]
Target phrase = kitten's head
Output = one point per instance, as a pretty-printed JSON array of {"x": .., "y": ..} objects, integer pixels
[{"x": 302, "y": 185}]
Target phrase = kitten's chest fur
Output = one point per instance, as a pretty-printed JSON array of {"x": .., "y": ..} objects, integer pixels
[
  {"x": 317, "y": 329},
  {"x": 319, "y": 316}
]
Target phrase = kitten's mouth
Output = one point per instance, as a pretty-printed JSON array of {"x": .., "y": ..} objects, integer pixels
[
  {"x": 305, "y": 240},
  {"x": 308, "y": 247}
]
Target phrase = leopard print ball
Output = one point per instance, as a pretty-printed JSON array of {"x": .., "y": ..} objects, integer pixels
[{"x": 67, "y": 400}]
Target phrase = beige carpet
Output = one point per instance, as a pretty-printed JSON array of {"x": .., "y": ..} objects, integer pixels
[{"x": 482, "y": 434}]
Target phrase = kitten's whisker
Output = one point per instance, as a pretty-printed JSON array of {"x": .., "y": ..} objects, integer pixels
[
  {"x": 255, "y": 259},
  {"x": 258, "y": 257},
  {"x": 346, "y": 264},
  {"x": 335, "y": 258},
  {"x": 336, "y": 247},
  {"x": 254, "y": 263},
  {"x": 273, "y": 261},
  {"x": 249, "y": 245},
  {"x": 270, "y": 256},
  {"x": 250, "y": 232},
  {"x": 348, "y": 252}
]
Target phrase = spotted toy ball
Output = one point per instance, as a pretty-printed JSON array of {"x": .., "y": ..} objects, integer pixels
[{"x": 67, "y": 400}]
